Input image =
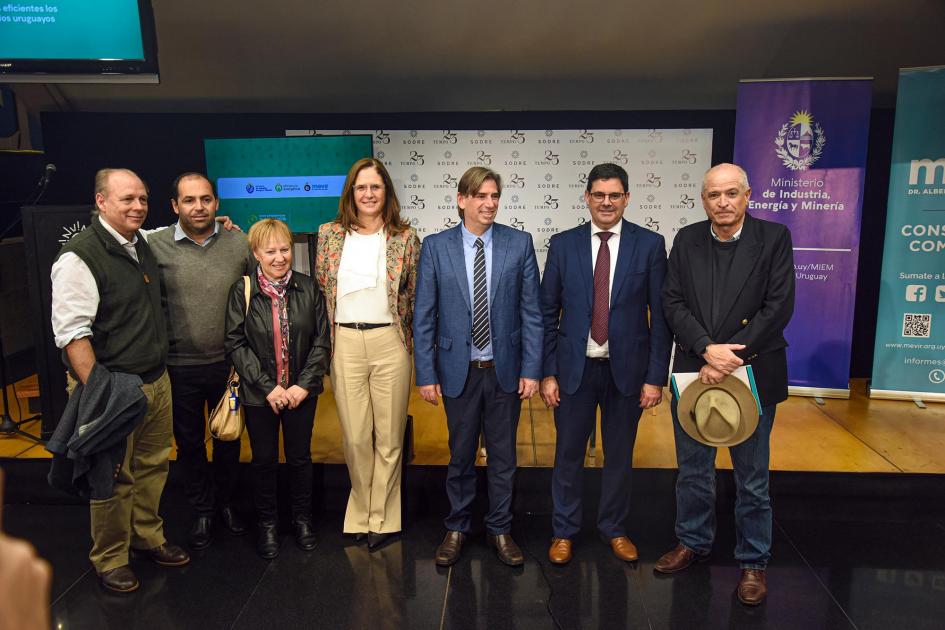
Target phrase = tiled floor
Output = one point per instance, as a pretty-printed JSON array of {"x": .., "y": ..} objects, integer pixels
[
  {"x": 866, "y": 568},
  {"x": 841, "y": 559}
]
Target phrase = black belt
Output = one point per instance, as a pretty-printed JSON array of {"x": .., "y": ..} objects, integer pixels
[
  {"x": 362, "y": 326},
  {"x": 599, "y": 359},
  {"x": 482, "y": 364}
]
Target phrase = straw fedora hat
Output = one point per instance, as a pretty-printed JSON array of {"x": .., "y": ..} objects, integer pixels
[{"x": 718, "y": 415}]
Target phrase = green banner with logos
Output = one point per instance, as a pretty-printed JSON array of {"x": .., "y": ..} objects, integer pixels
[{"x": 909, "y": 355}]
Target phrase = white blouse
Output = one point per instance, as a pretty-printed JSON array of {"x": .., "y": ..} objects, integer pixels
[{"x": 362, "y": 280}]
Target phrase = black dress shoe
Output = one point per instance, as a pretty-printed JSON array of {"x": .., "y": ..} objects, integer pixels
[
  {"x": 376, "y": 541},
  {"x": 167, "y": 555},
  {"x": 232, "y": 521},
  {"x": 448, "y": 551},
  {"x": 506, "y": 549},
  {"x": 267, "y": 545},
  {"x": 120, "y": 580},
  {"x": 201, "y": 533},
  {"x": 304, "y": 535}
]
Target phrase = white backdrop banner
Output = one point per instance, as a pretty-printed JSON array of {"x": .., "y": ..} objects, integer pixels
[{"x": 544, "y": 174}]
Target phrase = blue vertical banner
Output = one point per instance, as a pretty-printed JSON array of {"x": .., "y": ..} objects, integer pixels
[
  {"x": 909, "y": 355},
  {"x": 803, "y": 143}
]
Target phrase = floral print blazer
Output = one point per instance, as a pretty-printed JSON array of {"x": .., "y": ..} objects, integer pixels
[{"x": 403, "y": 255}]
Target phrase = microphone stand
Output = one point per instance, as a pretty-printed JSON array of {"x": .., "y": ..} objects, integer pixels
[
  {"x": 42, "y": 185},
  {"x": 9, "y": 426}
]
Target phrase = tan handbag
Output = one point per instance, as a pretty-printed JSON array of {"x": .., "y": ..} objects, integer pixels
[{"x": 226, "y": 419}]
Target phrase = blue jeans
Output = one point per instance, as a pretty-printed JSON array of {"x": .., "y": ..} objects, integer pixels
[{"x": 695, "y": 493}]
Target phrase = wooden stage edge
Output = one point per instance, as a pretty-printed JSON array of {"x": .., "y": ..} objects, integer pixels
[{"x": 858, "y": 435}]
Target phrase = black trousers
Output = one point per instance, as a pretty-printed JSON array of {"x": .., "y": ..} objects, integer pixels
[
  {"x": 263, "y": 426},
  {"x": 192, "y": 387},
  {"x": 484, "y": 407}
]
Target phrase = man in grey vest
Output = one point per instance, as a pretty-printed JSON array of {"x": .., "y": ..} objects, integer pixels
[
  {"x": 199, "y": 262},
  {"x": 106, "y": 309}
]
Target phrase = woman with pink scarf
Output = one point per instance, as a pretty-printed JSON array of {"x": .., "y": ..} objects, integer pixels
[{"x": 280, "y": 346}]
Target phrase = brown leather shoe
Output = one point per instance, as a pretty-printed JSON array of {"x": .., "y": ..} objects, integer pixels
[
  {"x": 448, "y": 551},
  {"x": 624, "y": 549},
  {"x": 560, "y": 551},
  {"x": 120, "y": 580},
  {"x": 677, "y": 560},
  {"x": 752, "y": 588},
  {"x": 506, "y": 549},
  {"x": 168, "y": 555}
]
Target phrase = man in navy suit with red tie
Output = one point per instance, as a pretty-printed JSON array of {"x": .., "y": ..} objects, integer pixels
[{"x": 606, "y": 344}]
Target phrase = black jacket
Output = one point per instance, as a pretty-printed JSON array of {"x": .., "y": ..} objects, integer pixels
[
  {"x": 88, "y": 445},
  {"x": 249, "y": 339},
  {"x": 757, "y": 302}
]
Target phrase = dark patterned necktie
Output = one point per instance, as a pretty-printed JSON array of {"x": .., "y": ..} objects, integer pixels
[
  {"x": 601, "y": 291},
  {"x": 480, "y": 328}
]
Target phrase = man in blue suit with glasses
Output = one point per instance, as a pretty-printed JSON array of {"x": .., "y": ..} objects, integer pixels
[{"x": 606, "y": 345}]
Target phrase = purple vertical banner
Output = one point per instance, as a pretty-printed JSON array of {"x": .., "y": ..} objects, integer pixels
[{"x": 803, "y": 143}]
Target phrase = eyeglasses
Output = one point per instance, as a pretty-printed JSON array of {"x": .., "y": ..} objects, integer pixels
[
  {"x": 363, "y": 188},
  {"x": 614, "y": 196}
]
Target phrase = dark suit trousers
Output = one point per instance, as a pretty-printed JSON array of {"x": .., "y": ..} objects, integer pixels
[
  {"x": 192, "y": 387},
  {"x": 482, "y": 406},
  {"x": 574, "y": 420}
]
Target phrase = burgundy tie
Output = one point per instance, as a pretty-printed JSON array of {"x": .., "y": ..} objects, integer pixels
[{"x": 601, "y": 291}]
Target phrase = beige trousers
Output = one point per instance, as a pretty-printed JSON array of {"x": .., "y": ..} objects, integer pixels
[
  {"x": 370, "y": 375},
  {"x": 130, "y": 518}
]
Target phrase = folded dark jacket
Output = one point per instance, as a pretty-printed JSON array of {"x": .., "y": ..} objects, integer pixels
[{"x": 88, "y": 445}]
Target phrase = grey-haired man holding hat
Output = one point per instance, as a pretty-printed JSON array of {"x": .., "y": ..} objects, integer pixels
[{"x": 728, "y": 295}]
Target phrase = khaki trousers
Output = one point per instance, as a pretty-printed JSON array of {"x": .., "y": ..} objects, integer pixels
[
  {"x": 370, "y": 375},
  {"x": 130, "y": 517}
]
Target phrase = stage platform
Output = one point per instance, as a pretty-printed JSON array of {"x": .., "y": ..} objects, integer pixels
[{"x": 848, "y": 436}]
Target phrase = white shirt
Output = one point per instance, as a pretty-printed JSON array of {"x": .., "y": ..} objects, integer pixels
[
  {"x": 75, "y": 293},
  {"x": 594, "y": 350},
  {"x": 362, "y": 280}
]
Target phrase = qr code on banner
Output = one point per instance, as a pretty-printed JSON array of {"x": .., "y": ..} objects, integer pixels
[{"x": 916, "y": 324}]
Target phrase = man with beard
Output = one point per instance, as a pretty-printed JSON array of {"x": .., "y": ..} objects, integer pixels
[{"x": 199, "y": 261}]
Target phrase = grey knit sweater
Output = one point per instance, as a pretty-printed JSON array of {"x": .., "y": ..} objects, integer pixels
[{"x": 196, "y": 282}]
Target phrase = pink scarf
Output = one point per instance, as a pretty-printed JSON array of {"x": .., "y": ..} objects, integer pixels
[{"x": 276, "y": 290}]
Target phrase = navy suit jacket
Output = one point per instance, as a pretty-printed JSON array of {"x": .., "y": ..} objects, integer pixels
[
  {"x": 442, "y": 320},
  {"x": 638, "y": 339}
]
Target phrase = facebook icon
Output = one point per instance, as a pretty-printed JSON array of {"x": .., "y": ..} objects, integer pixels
[{"x": 915, "y": 293}]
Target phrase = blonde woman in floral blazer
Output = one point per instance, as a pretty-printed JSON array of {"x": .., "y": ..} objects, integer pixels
[{"x": 367, "y": 268}]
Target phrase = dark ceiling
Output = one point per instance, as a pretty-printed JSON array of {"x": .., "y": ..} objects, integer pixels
[{"x": 429, "y": 55}]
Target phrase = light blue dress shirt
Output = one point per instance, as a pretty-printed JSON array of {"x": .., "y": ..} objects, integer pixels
[
  {"x": 180, "y": 234},
  {"x": 469, "y": 255}
]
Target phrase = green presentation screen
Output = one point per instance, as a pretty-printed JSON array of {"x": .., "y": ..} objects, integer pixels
[
  {"x": 71, "y": 29},
  {"x": 297, "y": 179}
]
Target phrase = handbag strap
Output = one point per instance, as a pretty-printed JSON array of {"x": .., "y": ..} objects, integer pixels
[
  {"x": 246, "y": 294},
  {"x": 234, "y": 377}
]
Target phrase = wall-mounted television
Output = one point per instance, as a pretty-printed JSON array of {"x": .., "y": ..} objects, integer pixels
[
  {"x": 77, "y": 41},
  {"x": 295, "y": 179}
]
